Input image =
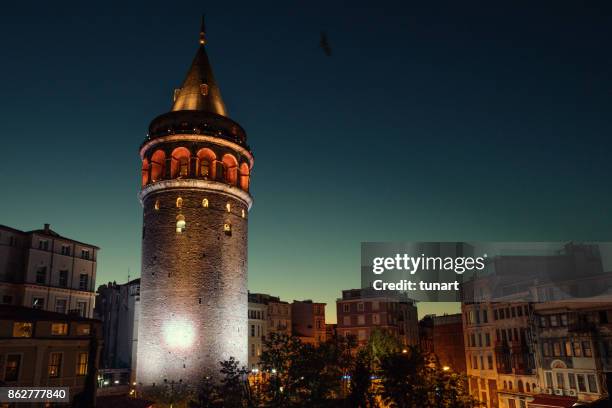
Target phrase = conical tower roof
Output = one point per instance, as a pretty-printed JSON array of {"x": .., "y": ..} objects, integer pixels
[{"x": 199, "y": 91}]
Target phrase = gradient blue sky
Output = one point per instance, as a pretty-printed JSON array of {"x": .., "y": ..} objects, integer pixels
[{"x": 437, "y": 121}]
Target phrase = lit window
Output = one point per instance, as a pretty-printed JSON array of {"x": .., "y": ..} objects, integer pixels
[
  {"x": 82, "y": 364},
  {"x": 156, "y": 205},
  {"x": 204, "y": 168},
  {"x": 55, "y": 364},
  {"x": 179, "y": 202},
  {"x": 38, "y": 303},
  {"x": 180, "y": 223},
  {"x": 205, "y": 203},
  {"x": 204, "y": 89},
  {"x": 83, "y": 330},
  {"x": 11, "y": 370},
  {"x": 228, "y": 207},
  {"x": 243, "y": 213},
  {"x": 227, "y": 228},
  {"x": 22, "y": 329},
  {"x": 59, "y": 329}
]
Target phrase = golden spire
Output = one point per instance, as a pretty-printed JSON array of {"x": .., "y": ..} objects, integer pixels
[{"x": 203, "y": 32}]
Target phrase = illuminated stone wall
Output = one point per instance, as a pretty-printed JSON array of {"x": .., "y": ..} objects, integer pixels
[{"x": 193, "y": 284}]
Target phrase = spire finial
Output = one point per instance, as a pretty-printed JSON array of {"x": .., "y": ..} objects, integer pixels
[{"x": 203, "y": 32}]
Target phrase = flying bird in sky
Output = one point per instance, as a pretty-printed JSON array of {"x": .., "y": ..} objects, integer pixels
[{"x": 324, "y": 44}]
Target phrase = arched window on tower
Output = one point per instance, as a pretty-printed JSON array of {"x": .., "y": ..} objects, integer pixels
[
  {"x": 206, "y": 163},
  {"x": 230, "y": 167},
  {"x": 156, "y": 205},
  {"x": 145, "y": 172},
  {"x": 180, "y": 163},
  {"x": 244, "y": 176},
  {"x": 181, "y": 225},
  {"x": 179, "y": 202},
  {"x": 158, "y": 165},
  {"x": 205, "y": 203}
]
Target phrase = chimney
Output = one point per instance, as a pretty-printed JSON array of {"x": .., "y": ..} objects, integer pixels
[{"x": 47, "y": 228}]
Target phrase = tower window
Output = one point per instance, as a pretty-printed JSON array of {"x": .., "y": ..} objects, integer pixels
[
  {"x": 179, "y": 202},
  {"x": 205, "y": 203},
  {"x": 243, "y": 213},
  {"x": 204, "y": 89},
  {"x": 180, "y": 223},
  {"x": 204, "y": 168},
  {"x": 227, "y": 228},
  {"x": 184, "y": 172},
  {"x": 228, "y": 207},
  {"x": 156, "y": 205}
]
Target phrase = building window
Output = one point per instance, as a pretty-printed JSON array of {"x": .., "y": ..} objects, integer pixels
[
  {"x": 227, "y": 228},
  {"x": 85, "y": 253},
  {"x": 243, "y": 213},
  {"x": 181, "y": 225},
  {"x": 156, "y": 205},
  {"x": 346, "y": 321},
  {"x": 205, "y": 203},
  {"x": 43, "y": 244},
  {"x": 560, "y": 380},
  {"x": 592, "y": 383},
  {"x": 22, "y": 329},
  {"x": 63, "y": 278},
  {"x": 572, "y": 381},
  {"x": 179, "y": 202},
  {"x": 60, "y": 305},
  {"x": 13, "y": 363},
  {"x": 41, "y": 275},
  {"x": 82, "y": 363},
  {"x": 228, "y": 207},
  {"x": 361, "y": 320},
  {"x": 577, "y": 349},
  {"x": 66, "y": 250},
  {"x": 346, "y": 307},
  {"x": 360, "y": 307},
  {"x": 83, "y": 281},
  {"x": 38, "y": 303},
  {"x": 586, "y": 347},
  {"x": 82, "y": 308},
  {"x": 375, "y": 318},
  {"x": 59, "y": 329},
  {"x": 252, "y": 330},
  {"x": 490, "y": 362},
  {"x": 487, "y": 339},
  {"x": 581, "y": 383},
  {"x": 83, "y": 330},
  {"x": 55, "y": 365}
]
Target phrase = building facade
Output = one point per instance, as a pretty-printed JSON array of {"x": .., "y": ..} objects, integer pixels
[
  {"x": 44, "y": 270},
  {"x": 258, "y": 330},
  {"x": 443, "y": 336},
  {"x": 118, "y": 307},
  {"x": 278, "y": 313},
  {"x": 360, "y": 312},
  {"x": 196, "y": 168},
  {"x": 308, "y": 321},
  {"x": 46, "y": 349}
]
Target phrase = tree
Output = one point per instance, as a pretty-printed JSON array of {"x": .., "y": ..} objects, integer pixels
[
  {"x": 279, "y": 352},
  {"x": 360, "y": 391},
  {"x": 233, "y": 383}
]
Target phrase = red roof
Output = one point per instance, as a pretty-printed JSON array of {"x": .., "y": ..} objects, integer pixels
[{"x": 552, "y": 401}]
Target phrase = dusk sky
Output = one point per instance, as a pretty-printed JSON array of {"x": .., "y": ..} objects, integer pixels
[{"x": 430, "y": 122}]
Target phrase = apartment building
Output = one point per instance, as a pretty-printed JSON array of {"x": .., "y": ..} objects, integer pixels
[
  {"x": 360, "y": 312},
  {"x": 44, "y": 270}
]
